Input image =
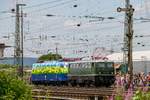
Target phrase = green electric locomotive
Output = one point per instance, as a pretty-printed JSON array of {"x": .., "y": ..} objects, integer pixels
[{"x": 91, "y": 73}]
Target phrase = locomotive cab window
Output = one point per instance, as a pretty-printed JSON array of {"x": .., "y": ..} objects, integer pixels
[
  {"x": 85, "y": 65},
  {"x": 102, "y": 65},
  {"x": 109, "y": 65},
  {"x": 93, "y": 64}
]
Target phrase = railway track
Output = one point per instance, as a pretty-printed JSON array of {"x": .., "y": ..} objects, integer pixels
[{"x": 81, "y": 93}]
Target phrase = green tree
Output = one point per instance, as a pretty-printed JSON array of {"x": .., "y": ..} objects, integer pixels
[
  {"x": 12, "y": 88},
  {"x": 49, "y": 56}
]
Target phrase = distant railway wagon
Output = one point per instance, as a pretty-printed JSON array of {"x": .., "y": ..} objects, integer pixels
[{"x": 82, "y": 73}]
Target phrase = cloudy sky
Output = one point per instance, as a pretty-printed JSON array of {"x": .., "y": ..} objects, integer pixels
[{"x": 78, "y": 28}]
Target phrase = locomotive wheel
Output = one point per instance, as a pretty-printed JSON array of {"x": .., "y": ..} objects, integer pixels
[
  {"x": 81, "y": 84},
  {"x": 72, "y": 83}
]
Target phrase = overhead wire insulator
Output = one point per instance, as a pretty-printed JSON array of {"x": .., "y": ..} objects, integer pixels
[
  {"x": 50, "y": 15},
  {"x": 75, "y": 6},
  {"x": 78, "y": 25},
  {"x": 12, "y": 10}
]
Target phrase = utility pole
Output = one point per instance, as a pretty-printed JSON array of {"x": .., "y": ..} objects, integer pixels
[
  {"x": 144, "y": 60},
  {"x": 22, "y": 35},
  {"x": 17, "y": 37},
  {"x": 129, "y": 37},
  {"x": 18, "y": 50},
  {"x": 126, "y": 28},
  {"x": 56, "y": 50}
]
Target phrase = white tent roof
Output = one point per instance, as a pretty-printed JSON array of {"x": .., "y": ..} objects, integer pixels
[{"x": 137, "y": 56}]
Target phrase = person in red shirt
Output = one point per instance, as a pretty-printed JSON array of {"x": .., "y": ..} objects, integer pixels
[{"x": 148, "y": 76}]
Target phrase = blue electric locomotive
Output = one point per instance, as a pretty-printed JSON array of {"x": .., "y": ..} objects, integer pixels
[{"x": 52, "y": 72}]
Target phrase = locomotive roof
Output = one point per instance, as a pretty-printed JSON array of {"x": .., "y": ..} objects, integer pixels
[
  {"x": 50, "y": 63},
  {"x": 90, "y": 61}
]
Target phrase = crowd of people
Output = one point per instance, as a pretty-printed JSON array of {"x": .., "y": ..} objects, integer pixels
[{"x": 139, "y": 80}]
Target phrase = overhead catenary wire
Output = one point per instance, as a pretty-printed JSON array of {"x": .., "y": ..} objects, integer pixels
[
  {"x": 60, "y": 27},
  {"x": 51, "y": 2},
  {"x": 42, "y": 4},
  {"x": 5, "y": 18},
  {"x": 76, "y": 17},
  {"x": 46, "y": 8},
  {"x": 76, "y": 29}
]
